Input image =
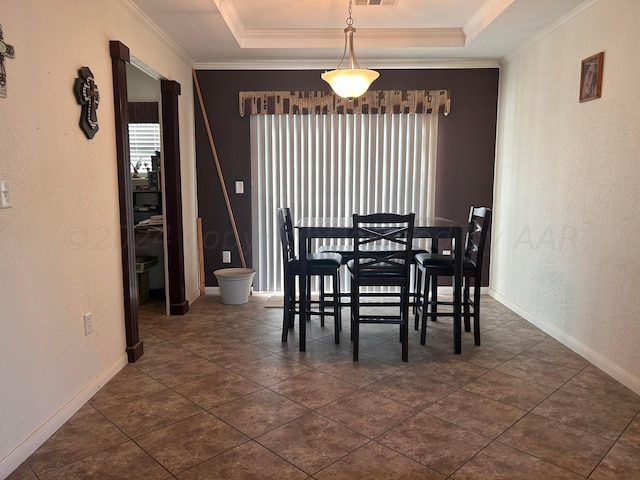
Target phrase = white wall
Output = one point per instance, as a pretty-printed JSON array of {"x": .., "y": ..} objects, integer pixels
[
  {"x": 564, "y": 252},
  {"x": 59, "y": 244}
]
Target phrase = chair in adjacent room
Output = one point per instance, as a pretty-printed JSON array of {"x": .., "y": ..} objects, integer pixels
[
  {"x": 382, "y": 256},
  {"x": 318, "y": 264},
  {"x": 433, "y": 265}
]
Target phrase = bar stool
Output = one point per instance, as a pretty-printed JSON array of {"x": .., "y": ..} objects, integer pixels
[
  {"x": 318, "y": 264},
  {"x": 374, "y": 264},
  {"x": 431, "y": 266}
]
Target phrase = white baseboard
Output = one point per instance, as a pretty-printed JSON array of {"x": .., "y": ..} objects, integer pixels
[
  {"x": 19, "y": 454},
  {"x": 603, "y": 363},
  {"x": 449, "y": 290},
  {"x": 441, "y": 290}
]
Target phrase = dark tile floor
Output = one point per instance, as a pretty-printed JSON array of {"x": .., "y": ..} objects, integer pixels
[{"x": 218, "y": 396}]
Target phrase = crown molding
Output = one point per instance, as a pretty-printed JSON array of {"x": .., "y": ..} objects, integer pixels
[
  {"x": 322, "y": 65},
  {"x": 155, "y": 30}
]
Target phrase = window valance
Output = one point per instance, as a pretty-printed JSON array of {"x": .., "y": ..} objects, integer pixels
[{"x": 322, "y": 103}]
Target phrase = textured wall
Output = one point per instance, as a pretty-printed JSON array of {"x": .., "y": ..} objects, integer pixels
[
  {"x": 565, "y": 232},
  {"x": 60, "y": 243}
]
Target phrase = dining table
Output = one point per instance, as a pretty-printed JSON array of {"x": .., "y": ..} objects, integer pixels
[{"x": 434, "y": 228}]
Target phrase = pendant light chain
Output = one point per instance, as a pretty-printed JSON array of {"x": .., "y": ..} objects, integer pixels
[
  {"x": 349, "y": 19},
  {"x": 353, "y": 81}
]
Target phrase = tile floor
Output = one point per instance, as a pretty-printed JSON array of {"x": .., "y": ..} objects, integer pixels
[{"x": 218, "y": 396}]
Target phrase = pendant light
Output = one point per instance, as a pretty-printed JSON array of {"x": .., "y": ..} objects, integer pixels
[{"x": 351, "y": 82}]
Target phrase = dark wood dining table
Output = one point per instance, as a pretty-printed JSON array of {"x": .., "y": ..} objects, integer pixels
[{"x": 435, "y": 228}]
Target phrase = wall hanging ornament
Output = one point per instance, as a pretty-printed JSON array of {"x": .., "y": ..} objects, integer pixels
[
  {"x": 7, "y": 51},
  {"x": 87, "y": 95}
]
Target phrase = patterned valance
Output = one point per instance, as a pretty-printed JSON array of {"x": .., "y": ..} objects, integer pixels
[{"x": 322, "y": 103}]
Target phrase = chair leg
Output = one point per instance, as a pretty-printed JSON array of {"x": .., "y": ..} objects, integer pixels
[
  {"x": 433, "y": 304},
  {"x": 307, "y": 306},
  {"x": 416, "y": 289},
  {"x": 476, "y": 311},
  {"x": 321, "y": 301},
  {"x": 355, "y": 321},
  {"x": 418, "y": 307},
  {"x": 337, "y": 318},
  {"x": 288, "y": 309},
  {"x": 404, "y": 326},
  {"x": 425, "y": 307},
  {"x": 433, "y": 280},
  {"x": 465, "y": 303},
  {"x": 339, "y": 299}
]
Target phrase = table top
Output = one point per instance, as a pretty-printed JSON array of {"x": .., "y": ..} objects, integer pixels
[
  {"x": 347, "y": 222},
  {"x": 342, "y": 227}
]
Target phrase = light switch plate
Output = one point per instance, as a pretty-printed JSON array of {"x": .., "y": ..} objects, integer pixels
[
  {"x": 5, "y": 194},
  {"x": 88, "y": 323},
  {"x": 239, "y": 186}
]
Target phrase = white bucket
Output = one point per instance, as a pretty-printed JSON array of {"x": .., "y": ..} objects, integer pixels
[{"x": 235, "y": 284}]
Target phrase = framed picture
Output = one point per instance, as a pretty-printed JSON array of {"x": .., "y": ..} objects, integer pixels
[{"x": 591, "y": 77}]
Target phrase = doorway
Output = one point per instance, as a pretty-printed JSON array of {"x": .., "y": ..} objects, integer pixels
[
  {"x": 145, "y": 154},
  {"x": 173, "y": 237}
]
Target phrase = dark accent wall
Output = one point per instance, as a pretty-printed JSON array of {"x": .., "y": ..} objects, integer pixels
[{"x": 466, "y": 145}]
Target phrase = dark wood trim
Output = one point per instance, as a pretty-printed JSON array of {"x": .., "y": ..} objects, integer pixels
[
  {"x": 119, "y": 59},
  {"x": 170, "y": 90}
]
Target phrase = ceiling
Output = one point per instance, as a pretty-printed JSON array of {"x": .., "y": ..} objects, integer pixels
[{"x": 308, "y": 34}]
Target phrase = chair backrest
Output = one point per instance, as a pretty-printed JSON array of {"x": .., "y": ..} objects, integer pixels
[
  {"x": 383, "y": 243},
  {"x": 287, "y": 236},
  {"x": 479, "y": 225}
]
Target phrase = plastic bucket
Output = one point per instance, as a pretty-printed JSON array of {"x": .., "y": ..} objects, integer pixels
[{"x": 235, "y": 284}]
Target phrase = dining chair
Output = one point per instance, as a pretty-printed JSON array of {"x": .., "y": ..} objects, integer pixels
[
  {"x": 430, "y": 266},
  {"x": 346, "y": 252},
  {"x": 374, "y": 264},
  {"x": 317, "y": 264}
]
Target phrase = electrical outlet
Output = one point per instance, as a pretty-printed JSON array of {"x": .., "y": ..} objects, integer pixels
[
  {"x": 239, "y": 186},
  {"x": 226, "y": 256},
  {"x": 88, "y": 323}
]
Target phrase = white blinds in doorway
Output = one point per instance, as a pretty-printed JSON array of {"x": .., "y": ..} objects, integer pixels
[{"x": 334, "y": 166}]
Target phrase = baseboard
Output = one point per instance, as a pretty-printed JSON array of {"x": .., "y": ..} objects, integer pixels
[
  {"x": 603, "y": 363},
  {"x": 441, "y": 290},
  {"x": 19, "y": 454},
  {"x": 448, "y": 290}
]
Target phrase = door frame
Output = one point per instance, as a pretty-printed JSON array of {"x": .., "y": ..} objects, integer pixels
[{"x": 178, "y": 305}]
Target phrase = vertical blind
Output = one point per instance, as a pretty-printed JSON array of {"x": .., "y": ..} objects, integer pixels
[{"x": 334, "y": 166}]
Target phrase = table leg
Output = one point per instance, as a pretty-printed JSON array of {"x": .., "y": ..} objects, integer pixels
[
  {"x": 457, "y": 292},
  {"x": 302, "y": 282}
]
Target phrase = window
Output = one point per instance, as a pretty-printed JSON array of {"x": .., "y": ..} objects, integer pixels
[
  {"x": 144, "y": 142},
  {"x": 333, "y": 166}
]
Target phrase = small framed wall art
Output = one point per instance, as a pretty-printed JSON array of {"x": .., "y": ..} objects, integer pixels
[{"x": 591, "y": 77}]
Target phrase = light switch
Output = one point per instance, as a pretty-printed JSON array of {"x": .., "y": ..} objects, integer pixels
[
  {"x": 239, "y": 186},
  {"x": 5, "y": 194}
]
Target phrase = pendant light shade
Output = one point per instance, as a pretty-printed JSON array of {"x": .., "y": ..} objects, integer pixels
[{"x": 352, "y": 81}]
